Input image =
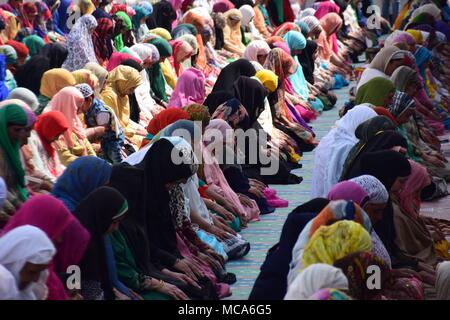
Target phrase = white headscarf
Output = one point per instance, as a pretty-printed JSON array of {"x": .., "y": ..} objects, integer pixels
[
  {"x": 8, "y": 286},
  {"x": 255, "y": 48},
  {"x": 311, "y": 21},
  {"x": 247, "y": 14},
  {"x": 3, "y": 192},
  {"x": 429, "y": 8},
  {"x": 314, "y": 278},
  {"x": 80, "y": 45},
  {"x": 443, "y": 281},
  {"x": 333, "y": 150},
  {"x": 374, "y": 188},
  {"x": 26, "y": 96},
  {"x": 307, "y": 13},
  {"x": 26, "y": 244}
]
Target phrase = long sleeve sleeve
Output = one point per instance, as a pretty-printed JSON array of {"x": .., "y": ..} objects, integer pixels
[
  {"x": 65, "y": 155},
  {"x": 126, "y": 268}
]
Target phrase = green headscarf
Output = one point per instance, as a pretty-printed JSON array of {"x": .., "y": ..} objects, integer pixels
[
  {"x": 128, "y": 51},
  {"x": 375, "y": 91},
  {"x": 118, "y": 40},
  {"x": 125, "y": 18},
  {"x": 34, "y": 43},
  {"x": 279, "y": 6},
  {"x": 157, "y": 81},
  {"x": 163, "y": 46},
  {"x": 13, "y": 114}
]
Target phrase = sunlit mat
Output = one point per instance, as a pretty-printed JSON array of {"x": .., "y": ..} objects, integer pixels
[{"x": 265, "y": 233}]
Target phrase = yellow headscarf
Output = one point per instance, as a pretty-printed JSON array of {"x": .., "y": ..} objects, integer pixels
[
  {"x": 86, "y": 76},
  {"x": 331, "y": 243},
  {"x": 12, "y": 26},
  {"x": 120, "y": 80},
  {"x": 417, "y": 35},
  {"x": 163, "y": 33},
  {"x": 268, "y": 79},
  {"x": 86, "y": 7},
  {"x": 169, "y": 73},
  {"x": 54, "y": 80}
]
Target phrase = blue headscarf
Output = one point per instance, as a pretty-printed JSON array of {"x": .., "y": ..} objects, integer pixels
[
  {"x": 422, "y": 55},
  {"x": 304, "y": 27},
  {"x": 296, "y": 41},
  {"x": 63, "y": 16},
  {"x": 81, "y": 177},
  {"x": 4, "y": 91},
  {"x": 141, "y": 12}
]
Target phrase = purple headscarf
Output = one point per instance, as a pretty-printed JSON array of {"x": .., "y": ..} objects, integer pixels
[{"x": 349, "y": 190}]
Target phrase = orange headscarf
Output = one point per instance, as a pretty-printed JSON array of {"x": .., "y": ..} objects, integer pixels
[{"x": 198, "y": 22}]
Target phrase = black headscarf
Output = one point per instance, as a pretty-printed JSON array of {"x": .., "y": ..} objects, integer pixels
[
  {"x": 149, "y": 227},
  {"x": 306, "y": 59},
  {"x": 215, "y": 99},
  {"x": 231, "y": 73},
  {"x": 375, "y": 164},
  {"x": 56, "y": 53},
  {"x": 271, "y": 283},
  {"x": 251, "y": 93},
  {"x": 133, "y": 63},
  {"x": 162, "y": 16},
  {"x": 240, "y": 3},
  {"x": 381, "y": 141},
  {"x": 386, "y": 166},
  {"x": 96, "y": 213},
  {"x": 30, "y": 74}
]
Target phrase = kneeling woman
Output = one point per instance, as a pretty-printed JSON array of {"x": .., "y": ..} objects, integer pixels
[{"x": 155, "y": 214}]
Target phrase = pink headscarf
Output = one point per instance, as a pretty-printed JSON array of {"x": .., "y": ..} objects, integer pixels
[
  {"x": 348, "y": 190},
  {"x": 282, "y": 45},
  {"x": 217, "y": 181},
  {"x": 68, "y": 235},
  {"x": 117, "y": 58},
  {"x": 409, "y": 196},
  {"x": 323, "y": 9},
  {"x": 330, "y": 23},
  {"x": 326, "y": 7},
  {"x": 222, "y": 6},
  {"x": 68, "y": 101},
  {"x": 190, "y": 88}
]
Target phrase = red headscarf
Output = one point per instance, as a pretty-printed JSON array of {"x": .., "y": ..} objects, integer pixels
[
  {"x": 68, "y": 235},
  {"x": 48, "y": 126},
  {"x": 21, "y": 49},
  {"x": 385, "y": 112},
  {"x": 101, "y": 39},
  {"x": 162, "y": 120}
]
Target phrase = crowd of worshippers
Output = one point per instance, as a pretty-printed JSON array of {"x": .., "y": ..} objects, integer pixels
[{"x": 94, "y": 93}]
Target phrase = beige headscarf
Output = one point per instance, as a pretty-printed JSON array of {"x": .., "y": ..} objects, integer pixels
[
  {"x": 382, "y": 59},
  {"x": 101, "y": 74},
  {"x": 232, "y": 34}
]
